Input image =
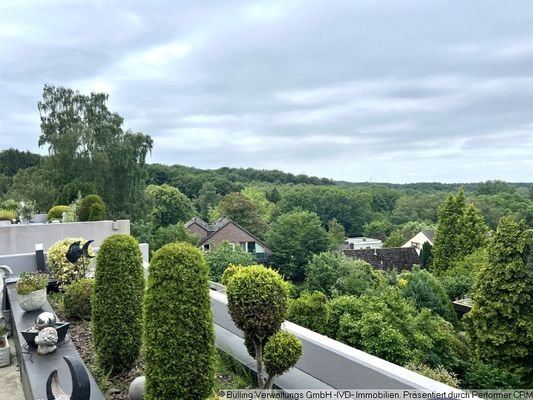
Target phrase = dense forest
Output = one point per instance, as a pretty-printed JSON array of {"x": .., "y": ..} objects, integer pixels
[{"x": 481, "y": 251}]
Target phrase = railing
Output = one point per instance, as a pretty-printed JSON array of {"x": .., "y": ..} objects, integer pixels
[{"x": 261, "y": 257}]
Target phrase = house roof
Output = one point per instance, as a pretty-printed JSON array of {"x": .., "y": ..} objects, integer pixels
[
  {"x": 401, "y": 258},
  {"x": 213, "y": 228},
  {"x": 430, "y": 234}
]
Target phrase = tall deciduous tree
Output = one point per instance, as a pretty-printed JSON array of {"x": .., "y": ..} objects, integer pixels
[
  {"x": 500, "y": 324},
  {"x": 294, "y": 238},
  {"x": 169, "y": 205},
  {"x": 240, "y": 209},
  {"x": 86, "y": 141},
  {"x": 207, "y": 198}
]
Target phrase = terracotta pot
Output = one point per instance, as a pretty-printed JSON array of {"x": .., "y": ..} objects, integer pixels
[
  {"x": 32, "y": 301},
  {"x": 5, "y": 353}
]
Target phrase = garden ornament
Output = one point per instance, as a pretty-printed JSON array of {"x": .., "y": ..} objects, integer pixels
[
  {"x": 46, "y": 340},
  {"x": 75, "y": 252},
  {"x": 81, "y": 386},
  {"x": 44, "y": 320}
]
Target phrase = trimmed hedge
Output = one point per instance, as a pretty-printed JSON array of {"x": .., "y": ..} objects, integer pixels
[
  {"x": 309, "y": 311},
  {"x": 117, "y": 303},
  {"x": 96, "y": 212},
  {"x": 56, "y": 212},
  {"x": 84, "y": 209},
  {"x": 178, "y": 325},
  {"x": 77, "y": 299}
]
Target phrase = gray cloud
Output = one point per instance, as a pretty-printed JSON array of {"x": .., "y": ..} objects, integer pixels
[{"x": 390, "y": 91}]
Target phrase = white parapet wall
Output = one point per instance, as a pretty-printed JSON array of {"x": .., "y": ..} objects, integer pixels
[{"x": 22, "y": 238}]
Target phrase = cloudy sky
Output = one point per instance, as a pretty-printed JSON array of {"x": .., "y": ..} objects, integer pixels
[{"x": 395, "y": 91}]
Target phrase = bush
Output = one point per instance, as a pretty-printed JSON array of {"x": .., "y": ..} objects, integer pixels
[
  {"x": 84, "y": 208},
  {"x": 96, "y": 212},
  {"x": 61, "y": 268},
  {"x": 77, "y": 299},
  {"x": 486, "y": 376},
  {"x": 282, "y": 352},
  {"x": 439, "y": 373},
  {"x": 229, "y": 272},
  {"x": 336, "y": 274},
  {"x": 387, "y": 325},
  {"x": 170, "y": 234},
  {"x": 7, "y": 215},
  {"x": 56, "y": 212},
  {"x": 310, "y": 311},
  {"x": 117, "y": 303},
  {"x": 178, "y": 325},
  {"x": 427, "y": 292},
  {"x": 224, "y": 255}
]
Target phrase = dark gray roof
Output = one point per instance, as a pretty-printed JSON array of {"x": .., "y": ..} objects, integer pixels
[
  {"x": 401, "y": 258},
  {"x": 215, "y": 226},
  {"x": 430, "y": 234}
]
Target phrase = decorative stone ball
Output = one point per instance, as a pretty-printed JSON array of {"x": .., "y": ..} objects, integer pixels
[
  {"x": 45, "y": 319},
  {"x": 47, "y": 336},
  {"x": 136, "y": 391}
]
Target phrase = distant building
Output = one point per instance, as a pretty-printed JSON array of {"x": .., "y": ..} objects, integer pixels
[
  {"x": 417, "y": 241},
  {"x": 224, "y": 229},
  {"x": 401, "y": 258},
  {"x": 357, "y": 243}
]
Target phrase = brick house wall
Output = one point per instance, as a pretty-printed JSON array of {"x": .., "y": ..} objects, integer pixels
[
  {"x": 197, "y": 230},
  {"x": 233, "y": 234}
]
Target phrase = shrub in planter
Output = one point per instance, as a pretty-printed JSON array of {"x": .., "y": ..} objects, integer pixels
[
  {"x": 96, "y": 212},
  {"x": 7, "y": 215},
  {"x": 31, "y": 288},
  {"x": 178, "y": 325},
  {"x": 84, "y": 209},
  {"x": 117, "y": 303},
  {"x": 77, "y": 299},
  {"x": 56, "y": 212},
  {"x": 61, "y": 268}
]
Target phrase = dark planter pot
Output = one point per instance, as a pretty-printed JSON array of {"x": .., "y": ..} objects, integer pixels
[{"x": 30, "y": 335}]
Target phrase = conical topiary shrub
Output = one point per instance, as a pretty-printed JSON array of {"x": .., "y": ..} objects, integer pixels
[
  {"x": 178, "y": 325},
  {"x": 117, "y": 303}
]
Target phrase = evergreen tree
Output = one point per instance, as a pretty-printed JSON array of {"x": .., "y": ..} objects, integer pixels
[
  {"x": 448, "y": 230},
  {"x": 500, "y": 324},
  {"x": 473, "y": 233},
  {"x": 461, "y": 231},
  {"x": 426, "y": 255}
]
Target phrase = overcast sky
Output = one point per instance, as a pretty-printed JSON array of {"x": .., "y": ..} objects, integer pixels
[{"x": 394, "y": 91}]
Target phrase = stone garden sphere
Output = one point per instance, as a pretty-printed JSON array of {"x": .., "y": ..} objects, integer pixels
[
  {"x": 137, "y": 388},
  {"x": 45, "y": 319}
]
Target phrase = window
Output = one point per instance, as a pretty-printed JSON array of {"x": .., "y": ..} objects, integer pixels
[{"x": 248, "y": 246}]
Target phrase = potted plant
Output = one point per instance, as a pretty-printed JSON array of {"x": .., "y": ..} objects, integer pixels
[
  {"x": 31, "y": 288},
  {"x": 5, "y": 353},
  {"x": 26, "y": 211},
  {"x": 6, "y": 216}
]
